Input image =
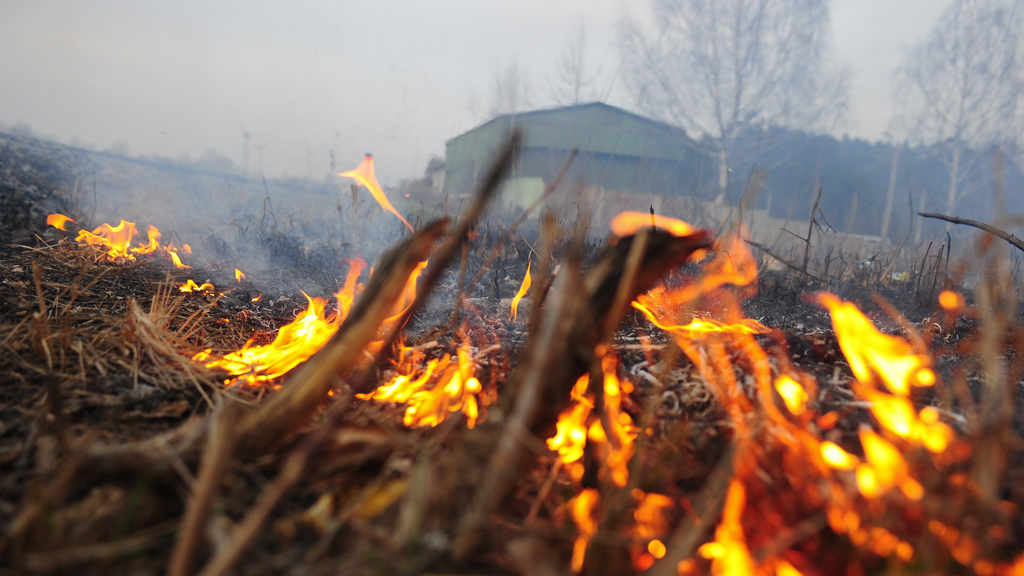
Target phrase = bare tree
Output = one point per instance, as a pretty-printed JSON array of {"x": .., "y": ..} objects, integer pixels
[
  {"x": 572, "y": 83},
  {"x": 718, "y": 66},
  {"x": 510, "y": 90},
  {"x": 962, "y": 86}
]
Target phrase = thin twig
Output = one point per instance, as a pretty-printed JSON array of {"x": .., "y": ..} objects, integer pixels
[{"x": 1013, "y": 240}]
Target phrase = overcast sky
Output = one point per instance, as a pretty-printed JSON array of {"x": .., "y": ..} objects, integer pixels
[{"x": 306, "y": 78}]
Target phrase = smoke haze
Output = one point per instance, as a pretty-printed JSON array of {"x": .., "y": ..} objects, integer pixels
[{"x": 309, "y": 80}]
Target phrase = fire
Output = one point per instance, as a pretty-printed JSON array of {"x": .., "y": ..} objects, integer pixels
[
  {"x": 651, "y": 517},
  {"x": 836, "y": 457},
  {"x": 364, "y": 174},
  {"x": 115, "y": 241},
  {"x": 702, "y": 325},
  {"x": 897, "y": 415},
  {"x": 728, "y": 553},
  {"x": 733, "y": 264},
  {"x": 628, "y": 223},
  {"x": 577, "y": 425},
  {"x": 346, "y": 294},
  {"x": 885, "y": 468},
  {"x": 191, "y": 286},
  {"x": 584, "y": 512},
  {"x": 58, "y": 221},
  {"x": 793, "y": 394},
  {"x": 293, "y": 344},
  {"x": 442, "y": 386},
  {"x": 239, "y": 275},
  {"x": 522, "y": 291},
  {"x": 873, "y": 354},
  {"x": 952, "y": 301},
  {"x": 571, "y": 429},
  {"x": 408, "y": 294}
]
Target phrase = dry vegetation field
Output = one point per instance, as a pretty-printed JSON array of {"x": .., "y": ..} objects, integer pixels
[{"x": 666, "y": 401}]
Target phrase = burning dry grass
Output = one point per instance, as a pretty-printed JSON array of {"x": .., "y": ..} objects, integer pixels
[{"x": 680, "y": 438}]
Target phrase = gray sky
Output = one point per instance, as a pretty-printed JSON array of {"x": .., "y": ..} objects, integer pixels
[{"x": 305, "y": 78}]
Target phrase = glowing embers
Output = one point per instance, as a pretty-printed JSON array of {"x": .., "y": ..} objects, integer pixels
[
  {"x": 874, "y": 538},
  {"x": 364, "y": 174},
  {"x": 433, "y": 389},
  {"x": 652, "y": 523},
  {"x": 578, "y": 424},
  {"x": 294, "y": 343},
  {"x": 952, "y": 302},
  {"x": 873, "y": 355},
  {"x": 115, "y": 241}
]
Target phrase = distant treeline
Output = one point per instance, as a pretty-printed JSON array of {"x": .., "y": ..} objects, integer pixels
[{"x": 854, "y": 178}]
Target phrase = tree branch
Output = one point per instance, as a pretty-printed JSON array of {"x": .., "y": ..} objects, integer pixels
[{"x": 1013, "y": 240}]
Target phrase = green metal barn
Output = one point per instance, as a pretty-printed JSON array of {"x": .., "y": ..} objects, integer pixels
[{"x": 620, "y": 153}]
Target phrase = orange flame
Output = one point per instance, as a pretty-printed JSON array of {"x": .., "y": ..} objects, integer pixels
[
  {"x": 294, "y": 343},
  {"x": 733, "y": 264},
  {"x": 897, "y": 415},
  {"x": 626, "y": 223},
  {"x": 364, "y": 174},
  {"x": 885, "y": 468},
  {"x": 836, "y": 457},
  {"x": 576, "y": 426},
  {"x": 455, "y": 388},
  {"x": 58, "y": 221},
  {"x": 239, "y": 275},
  {"x": 191, "y": 286},
  {"x": 704, "y": 325},
  {"x": 115, "y": 241},
  {"x": 728, "y": 552},
  {"x": 793, "y": 394},
  {"x": 347, "y": 293},
  {"x": 952, "y": 301},
  {"x": 571, "y": 429},
  {"x": 408, "y": 293},
  {"x": 523, "y": 289},
  {"x": 872, "y": 353},
  {"x": 652, "y": 523},
  {"x": 584, "y": 512}
]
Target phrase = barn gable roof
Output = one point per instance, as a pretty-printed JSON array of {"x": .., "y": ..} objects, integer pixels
[{"x": 596, "y": 127}]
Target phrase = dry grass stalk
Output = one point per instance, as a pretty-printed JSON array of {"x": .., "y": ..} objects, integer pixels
[
  {"x": 249, "y": 527},
  {"x": 308, "y": 387},
  {"x": 559, "y": 352},
  {"x": 215, "y": 462},
  {"x": 691, "y": 529},
  {"x": 319, "y": 375}
]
